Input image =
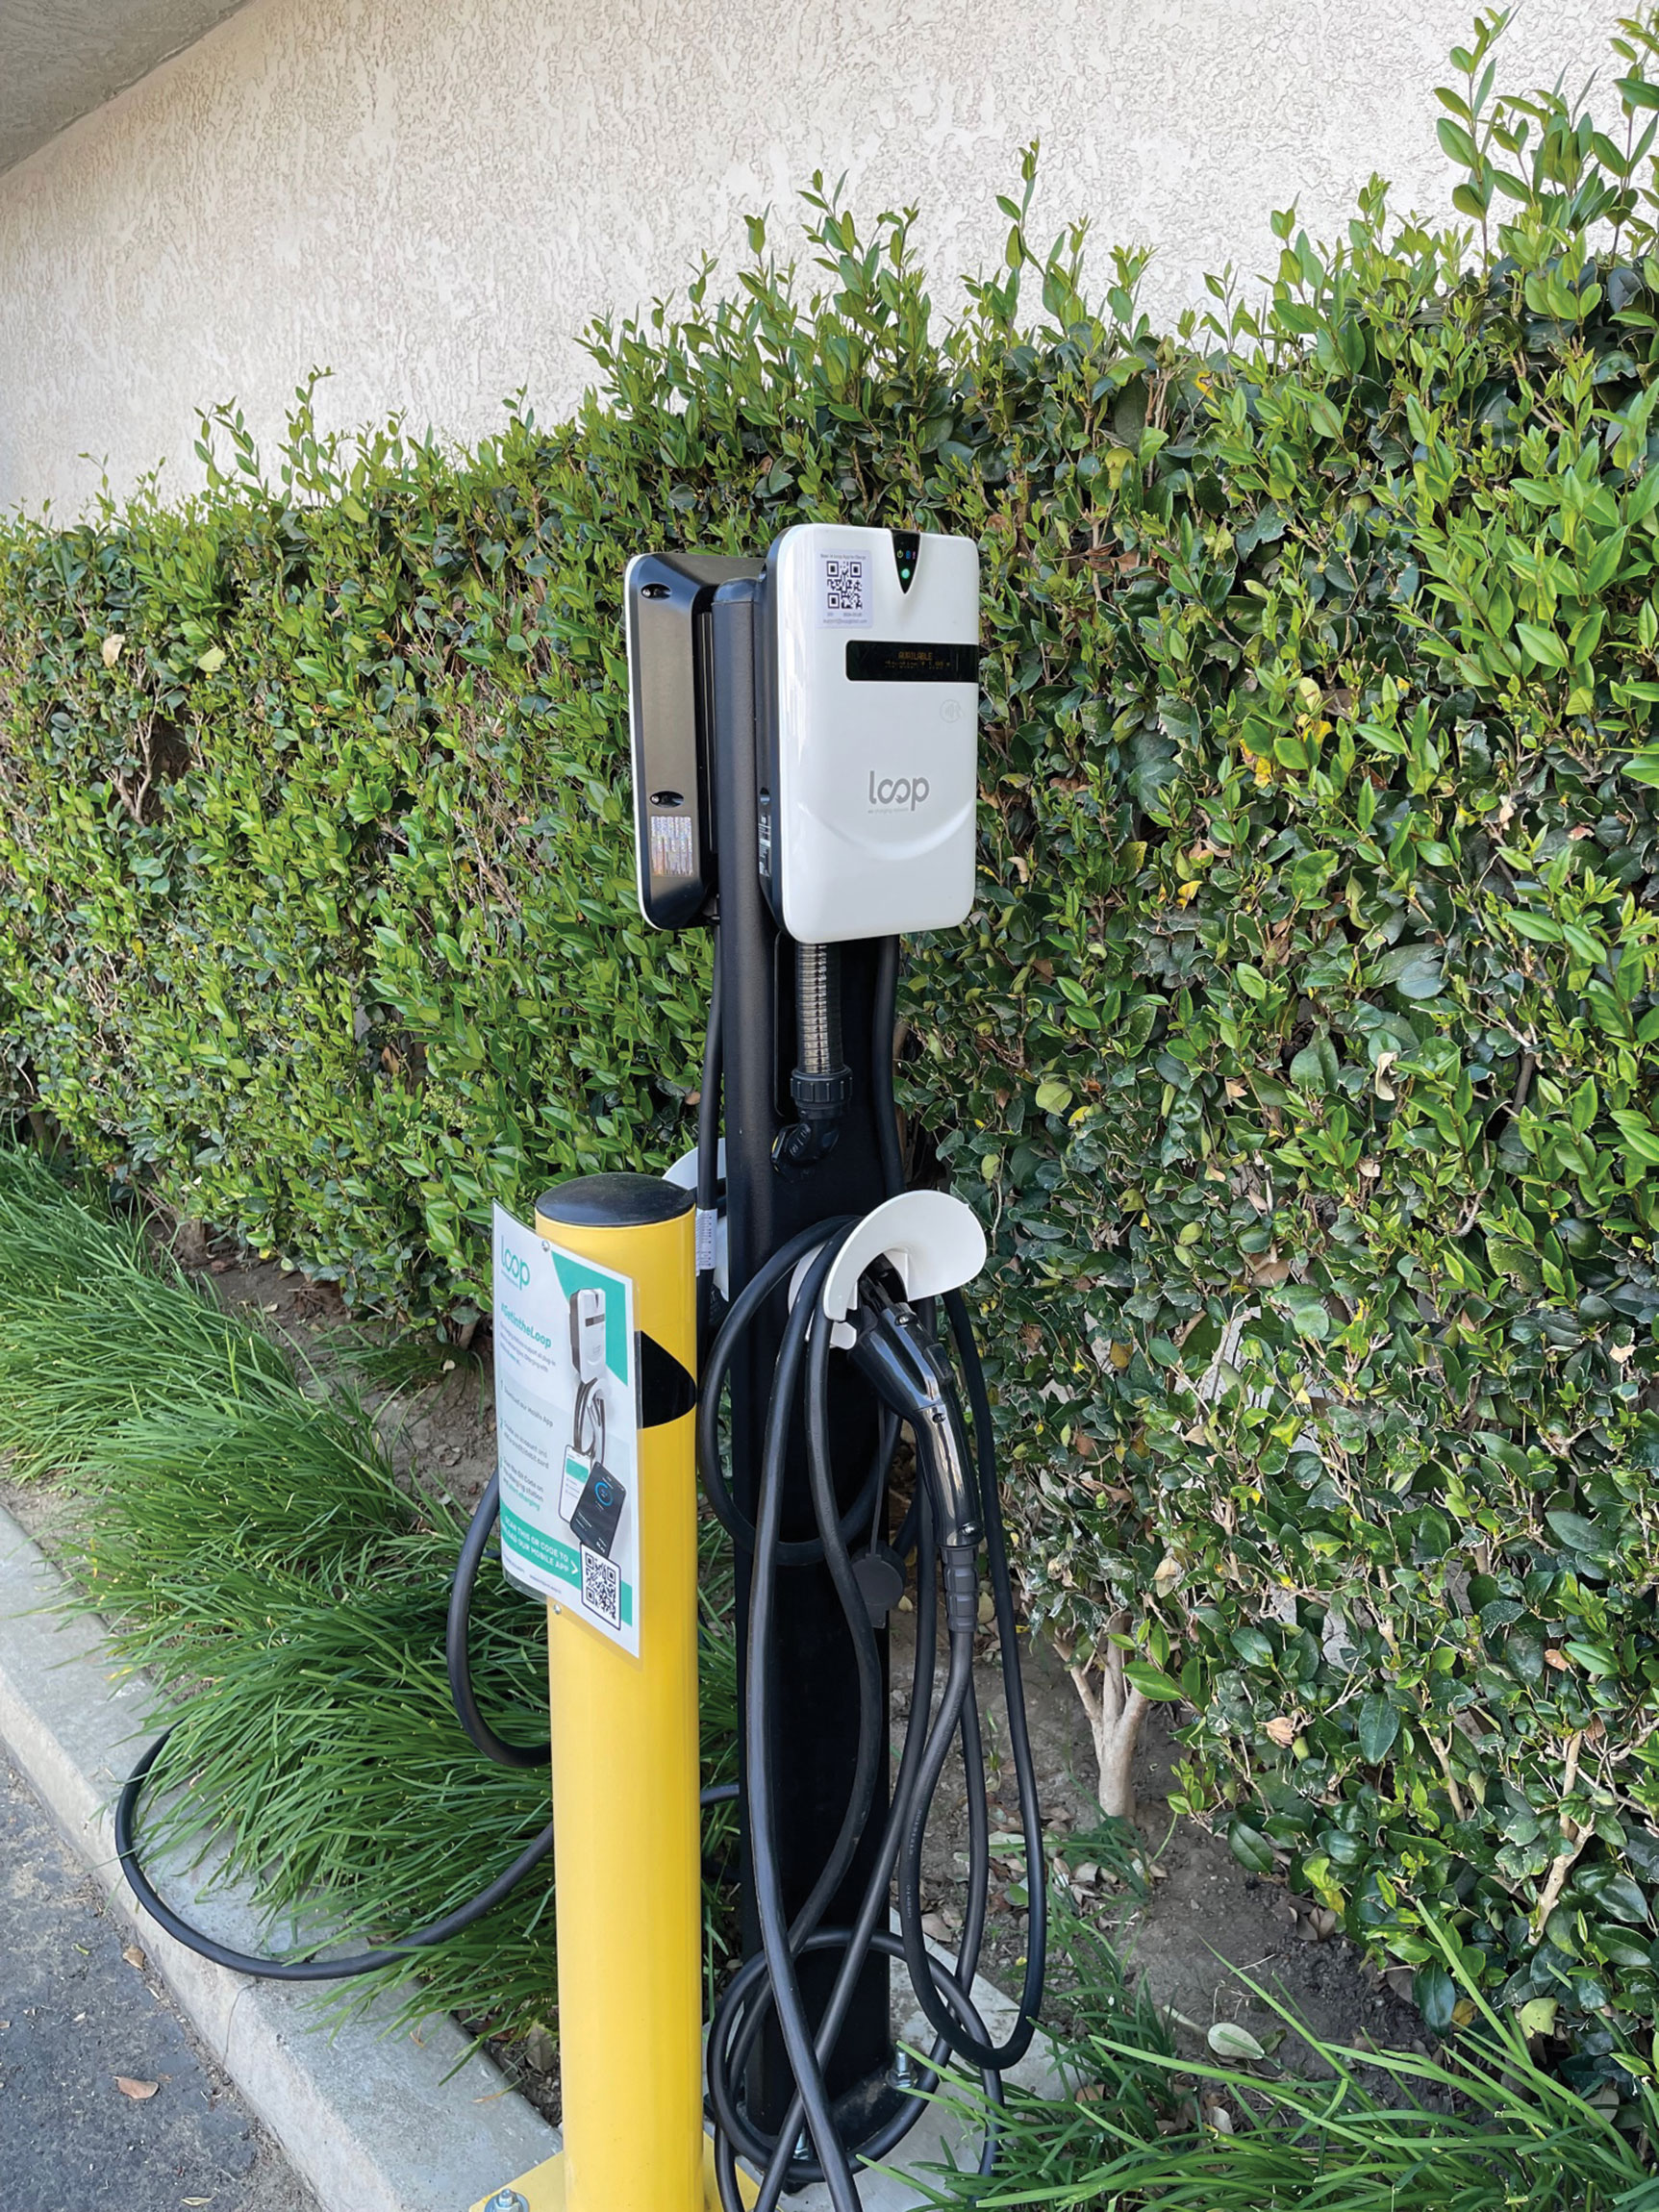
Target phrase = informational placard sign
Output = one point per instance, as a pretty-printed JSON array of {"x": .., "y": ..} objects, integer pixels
[{"x": 566, "y": 1431}]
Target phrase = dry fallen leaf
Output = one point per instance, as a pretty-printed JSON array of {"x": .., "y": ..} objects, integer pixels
[
  {"x": 111, "y": 649},
  {"x": 133, "y": 1956},
  {"x": 1228, "y": 2040},
  {"x": 136, "y": 2090},
  {"x": 1282, "y": 1730}
]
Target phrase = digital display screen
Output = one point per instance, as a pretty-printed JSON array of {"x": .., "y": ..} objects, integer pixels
[{"x": 882, "y": 661}]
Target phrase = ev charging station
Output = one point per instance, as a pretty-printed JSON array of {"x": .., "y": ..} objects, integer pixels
[
  {"x": 771, "y": 1319},
  {"x": 804, "y": 737},
  {"x": 804, "y": 742}
]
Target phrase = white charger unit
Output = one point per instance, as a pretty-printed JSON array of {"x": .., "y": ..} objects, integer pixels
[{"x": 869, "y": 760}]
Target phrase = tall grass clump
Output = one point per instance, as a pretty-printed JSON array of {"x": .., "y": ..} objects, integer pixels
[
  {"x": 94, "y": 1328},
  {"x": 249, "y": 1543},
  {"x": 1480, "y": 2127}
]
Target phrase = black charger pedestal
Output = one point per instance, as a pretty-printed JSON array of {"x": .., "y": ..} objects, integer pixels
[{"x": 816, "y": 1698}]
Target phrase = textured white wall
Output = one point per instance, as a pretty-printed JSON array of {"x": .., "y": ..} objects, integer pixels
[{"x": 431, "y": 196}]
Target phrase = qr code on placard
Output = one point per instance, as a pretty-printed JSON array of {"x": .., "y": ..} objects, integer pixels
[
  {"x": 846, "y": 590},
  {"x": 601, "y": 1588}
]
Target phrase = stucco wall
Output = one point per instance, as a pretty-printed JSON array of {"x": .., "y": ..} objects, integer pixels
[{"x": 430, "y": 196}]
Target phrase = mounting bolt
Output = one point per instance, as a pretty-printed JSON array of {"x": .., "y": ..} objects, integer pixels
[{"x": 901, "y": 2074}]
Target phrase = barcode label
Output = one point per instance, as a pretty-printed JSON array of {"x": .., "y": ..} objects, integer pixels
[
  {"x": 846, "y": 594},
  {"x": 672, "y": 850},
  {"x": 601, "y": 1588}
]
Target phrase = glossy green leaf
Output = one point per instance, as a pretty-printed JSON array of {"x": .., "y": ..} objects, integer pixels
[
  {"x": 1250, "y": 1848},
  {"x": 1435, "y": 1994},
  {"x": 1152, "y": 1681},
  {"x": 1377, "y": 1727}
]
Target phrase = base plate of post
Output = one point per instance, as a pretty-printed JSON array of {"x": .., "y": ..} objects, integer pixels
[
  {"x": 540, "y": 2190},
  {"x": 543, "y": 2189}
]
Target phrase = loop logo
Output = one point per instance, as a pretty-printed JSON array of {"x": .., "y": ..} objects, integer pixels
[
  {"x": 890, "y": 793},
  {"x": 515, "y": 1268}
]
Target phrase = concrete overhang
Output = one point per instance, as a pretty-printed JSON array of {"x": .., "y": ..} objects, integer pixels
[{"x": 61, "y": 59}]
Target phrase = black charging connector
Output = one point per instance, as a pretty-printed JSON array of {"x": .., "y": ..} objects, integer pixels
[{"x": 906, "y": 1365}]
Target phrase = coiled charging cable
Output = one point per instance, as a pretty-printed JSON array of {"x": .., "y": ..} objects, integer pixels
[
  {"x": 956, "y": 1507},
  {"x": 493, "y": 1747}
]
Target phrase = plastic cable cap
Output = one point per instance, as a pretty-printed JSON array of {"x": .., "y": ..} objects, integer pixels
[{"x": 934, "y": 1241}]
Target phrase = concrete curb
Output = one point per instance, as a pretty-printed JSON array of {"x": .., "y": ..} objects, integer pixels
[{"x": 375, "y": 2121}]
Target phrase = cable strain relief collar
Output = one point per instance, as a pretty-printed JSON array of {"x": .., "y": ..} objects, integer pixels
[{"x": 961, "y": 1588}]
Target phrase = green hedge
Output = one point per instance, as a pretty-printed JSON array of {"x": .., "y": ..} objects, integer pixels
[{"x": 1300, "y": 1053}]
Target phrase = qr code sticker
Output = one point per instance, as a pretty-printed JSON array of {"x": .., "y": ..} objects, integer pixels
[
  {"x": 846, "y": 599},
  {"x": 601, "y": 1588}
]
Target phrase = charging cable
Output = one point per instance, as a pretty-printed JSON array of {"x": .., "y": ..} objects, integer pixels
[
  {"x": 587, "y": 1421},
  {"x": 493, "y": 1747},
  {"x": 956, "y": 1512},
  {"x": 912, "y": 1373}
]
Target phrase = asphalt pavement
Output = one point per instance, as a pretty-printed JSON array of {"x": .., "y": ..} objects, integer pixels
[{"x": 108, "y": 2102}]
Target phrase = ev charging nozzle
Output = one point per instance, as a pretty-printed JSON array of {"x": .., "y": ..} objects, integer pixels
[{"x": 906, "y": 1365}]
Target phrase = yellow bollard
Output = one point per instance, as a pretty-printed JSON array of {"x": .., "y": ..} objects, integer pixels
[{"x": 627, "y": 1841}]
